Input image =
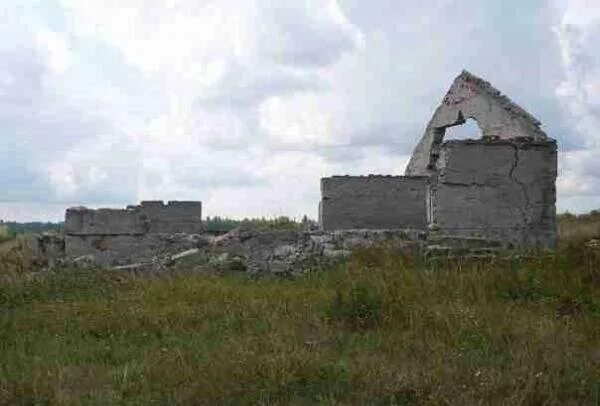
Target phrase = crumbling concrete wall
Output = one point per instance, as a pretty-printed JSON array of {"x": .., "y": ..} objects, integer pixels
[
  {"x": 296, "y": 251},
  {"x": 500, "y": 187},
  {"x": 83, "y": 221},
  {"x": 500, "y": 190},
  {"x": 372, "y": 202},
  {"x": 46, "y": 249},
  {"x": 112, "y": 250},
  {"x": 174, "y": 217},
  {"x": 471, "y": 97},
  {"x": 121, "y": 235}
]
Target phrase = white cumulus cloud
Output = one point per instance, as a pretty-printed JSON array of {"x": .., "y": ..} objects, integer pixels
[
  {"x": 245, "y": 104},
  {"x": 578, "y": 34}
]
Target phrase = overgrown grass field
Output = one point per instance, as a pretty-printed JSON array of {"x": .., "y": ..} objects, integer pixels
[{"x": 380, "y": 329}]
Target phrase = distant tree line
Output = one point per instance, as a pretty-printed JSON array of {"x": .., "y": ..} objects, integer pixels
[
  {"x": 216, "y": 224},
  {"x": 11, "y": 229},
  {"x": 219, "y": 224},
  {"x": 592, "y": 215},
  {"x": 34, "y": 227}
]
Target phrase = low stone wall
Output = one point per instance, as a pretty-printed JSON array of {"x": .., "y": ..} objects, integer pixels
[
  {"x": 500, "y": 190},
  {"x": 148, "y": 217},
  {"x": 84, "y": 221},
  {"x": 115, "y": 236},
  {"x": 373, "y": 202},
  {"x": 114, "y": 250},
  {"x": 174, "y": 217}
]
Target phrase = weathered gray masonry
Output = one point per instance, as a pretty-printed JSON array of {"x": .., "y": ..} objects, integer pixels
[
  {"x": 498, "y": 189},
  {"x": 125, "y": 235},
  {"x": 373, "y": 202}
]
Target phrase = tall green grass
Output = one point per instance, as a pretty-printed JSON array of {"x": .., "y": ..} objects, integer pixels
[{"x": 382, "y": 329}]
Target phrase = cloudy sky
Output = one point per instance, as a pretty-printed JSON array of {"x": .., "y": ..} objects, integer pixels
[{"x": 245, "y": 104}]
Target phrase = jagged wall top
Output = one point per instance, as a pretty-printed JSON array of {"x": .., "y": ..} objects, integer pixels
[
  {"x": 472, "y": 97},
  {"x": 510, "y": 106},
  {"x": 148, "y": 217}
]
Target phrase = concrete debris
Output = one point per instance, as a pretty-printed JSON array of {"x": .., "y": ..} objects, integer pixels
[
  {"x": 184, "y": 254},
  {"x": 277, "y": 252}
]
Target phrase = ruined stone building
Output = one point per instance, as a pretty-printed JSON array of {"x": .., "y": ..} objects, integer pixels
[{"x": 500, "y": 187}]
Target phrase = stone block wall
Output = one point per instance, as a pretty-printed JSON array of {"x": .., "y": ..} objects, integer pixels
[
  {"x": 174, "y": 217},
  {"x": 502, "y": 190},
  {"x": 373, "y": 202},
  {"x": 121, "y": 234},
  {"x": 83, "y": 221}
]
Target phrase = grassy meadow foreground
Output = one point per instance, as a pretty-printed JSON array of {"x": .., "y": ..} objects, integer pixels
[{"x": 381, "y": 329}]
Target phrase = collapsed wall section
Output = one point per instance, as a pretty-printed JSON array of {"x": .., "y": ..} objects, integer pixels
[
  {"x": 372, "y": 202},
  {"x": 500, "y": 190},
  {"x": 111, "y": 250}
]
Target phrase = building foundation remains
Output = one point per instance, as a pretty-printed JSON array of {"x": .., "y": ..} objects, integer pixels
[
  {"x": 498, "y": 190},
  {"x": 125, "y": 235},
  {"x": 500, "y": 187}
]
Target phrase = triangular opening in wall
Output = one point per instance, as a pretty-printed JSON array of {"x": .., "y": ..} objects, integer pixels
[{"x": 469, "y": 130}]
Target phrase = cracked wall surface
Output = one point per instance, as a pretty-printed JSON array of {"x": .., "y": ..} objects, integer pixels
[
  {"x": 372, "y": 202},
  {"x": 471, "y": 97},
  {"x": 500, "y": 187},
  {"x": 500, "y": 190}
]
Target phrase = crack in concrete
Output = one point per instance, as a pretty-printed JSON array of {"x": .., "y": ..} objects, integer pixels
[{"x": 518, "y": 182}]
